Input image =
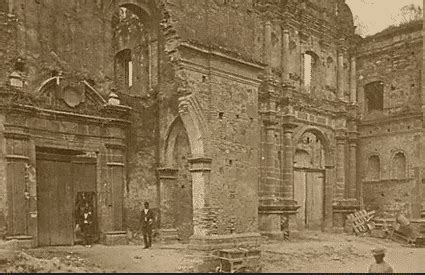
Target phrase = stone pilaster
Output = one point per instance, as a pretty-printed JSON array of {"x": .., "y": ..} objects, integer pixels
[
  {"x": 341, "y": 142},
  {"x": 270, "y": 211},
  {"x": 345, "y": 201},
  {"x": 339, "y": 187},
  {"x": 352, "y": 190},
  {"x": 340, "y": 75},
  {"x": 285, "y": 54},
  {"x": 167, "y": 181},
  {"x": 201, "y": 172},
  {"x": 353, "y": 81},
  {"x": 268, "y": 46}
]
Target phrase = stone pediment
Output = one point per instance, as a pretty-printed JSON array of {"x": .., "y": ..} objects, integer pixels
[{"x": 70, "y": 95}]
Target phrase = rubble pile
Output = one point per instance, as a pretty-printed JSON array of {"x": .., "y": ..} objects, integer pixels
[{"x": 21, "y": 262}]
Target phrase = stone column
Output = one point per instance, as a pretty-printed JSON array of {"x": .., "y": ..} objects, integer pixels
[
  {"x": 340, "y": 75},
  {"x": 201, "y": 172},
  {"x": 167, "y": 182},
  {"x": 268, "y": 46},
  {"x": 285, "y": 55},
  {"x": 270, "y": 209},
  {"x": 353, "y": 81},
  {"x": 290, "y": 206},
  {"x": 340, "y": 168},
  {"x": 339, "y": 210},
  {"x": 352, "y": 188}
]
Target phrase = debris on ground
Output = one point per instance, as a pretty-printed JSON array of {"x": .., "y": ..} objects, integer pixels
[
  {"x": 362, "y": 221},
  {"x": 21, "y": 262}
]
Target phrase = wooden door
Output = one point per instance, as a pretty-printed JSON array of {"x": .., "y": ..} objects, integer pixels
[
  {"x": 314, "y": 200},
  {"x": 17, "y": 205},
  {"x": 117, "y": 179},
  {"x": 55, "y": 200},
  {"x": 300, "y": 196}
]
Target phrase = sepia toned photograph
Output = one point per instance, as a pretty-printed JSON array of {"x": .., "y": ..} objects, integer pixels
[{"x": 212, "y": 136}]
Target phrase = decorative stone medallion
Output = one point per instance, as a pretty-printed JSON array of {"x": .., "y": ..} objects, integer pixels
[{"x": 73, "y": 96}]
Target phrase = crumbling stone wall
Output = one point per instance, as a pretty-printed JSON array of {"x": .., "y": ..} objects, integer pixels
[
  {"x": 394, "y": 57},
  {"x": 231, "y": 26},
  {"x": 76, "y": 37}
]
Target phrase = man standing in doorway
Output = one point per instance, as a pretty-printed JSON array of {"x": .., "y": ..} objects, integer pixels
[{"x": 146, "y": 221}]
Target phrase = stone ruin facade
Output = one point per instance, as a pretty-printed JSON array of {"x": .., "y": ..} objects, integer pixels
[{"x": 234, "y": 119}]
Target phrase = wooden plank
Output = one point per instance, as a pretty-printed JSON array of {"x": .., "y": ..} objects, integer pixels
[
  {"x": 300, "y": 195},
  {"x": 55, "y": 200}
]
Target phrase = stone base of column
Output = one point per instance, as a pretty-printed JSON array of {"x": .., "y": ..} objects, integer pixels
[
  {"x": 168, "y": 236},
  {"x": 341, "y": 209},
  {"x": 115, "y": 238},
  {"x": 277, "y": 218}
]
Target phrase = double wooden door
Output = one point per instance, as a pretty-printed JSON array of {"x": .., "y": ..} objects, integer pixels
[
  {"x": 309, "y": 193},
  {"x": 59, "y": 179}
]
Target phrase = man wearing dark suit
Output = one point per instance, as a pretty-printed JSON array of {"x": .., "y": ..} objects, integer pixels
[{"x": 146, "y": 222}]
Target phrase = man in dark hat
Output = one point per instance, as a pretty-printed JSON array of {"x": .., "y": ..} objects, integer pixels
[
  {"x": 380, "y": 266},
  {"x": 146, "y": 222}
]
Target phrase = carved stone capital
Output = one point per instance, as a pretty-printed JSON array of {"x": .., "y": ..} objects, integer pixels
[
  {"x": 167, "y": 173},
  {"x": 202, "y": 164}
]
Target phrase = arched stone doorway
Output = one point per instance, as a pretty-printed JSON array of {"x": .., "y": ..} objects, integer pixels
[
  {"x": 178, "y": 155},
  {"x": 309, "y": 180}
]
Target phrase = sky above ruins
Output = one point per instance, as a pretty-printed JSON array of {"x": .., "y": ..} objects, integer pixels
[{"x": 377, "y": 15}]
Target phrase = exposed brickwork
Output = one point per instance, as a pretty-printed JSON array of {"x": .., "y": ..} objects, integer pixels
[{"x": 394, "y": 57}]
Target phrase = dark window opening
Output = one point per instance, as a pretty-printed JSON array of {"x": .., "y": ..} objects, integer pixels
[
  {"x": 220, "y": 115},
  {"x": 374, "y": 93},
  {"x": 124, "y": 67}
]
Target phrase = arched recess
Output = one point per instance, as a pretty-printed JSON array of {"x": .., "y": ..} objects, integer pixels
[
  {"x": 373, "y": 168},
  {"x": 178, "y": 155},
  {"x": 187, "y": 124},
  {"x": 328, "y": 155},
  {"x": 399, "y": 165}
]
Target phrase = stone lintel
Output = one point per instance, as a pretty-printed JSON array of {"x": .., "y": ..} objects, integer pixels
[
  {"x": 17, "y": 135},
  {"x": 117, "y": 109}
]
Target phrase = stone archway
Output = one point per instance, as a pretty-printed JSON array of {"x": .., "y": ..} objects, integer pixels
[
  {"x": 180, "y": 201},
  {"x": 184, "y": 138},
  {"x": 311, "y": 159}
]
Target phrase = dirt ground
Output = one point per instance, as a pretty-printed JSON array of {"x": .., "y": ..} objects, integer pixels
[{"x": 314, "y": 252}]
